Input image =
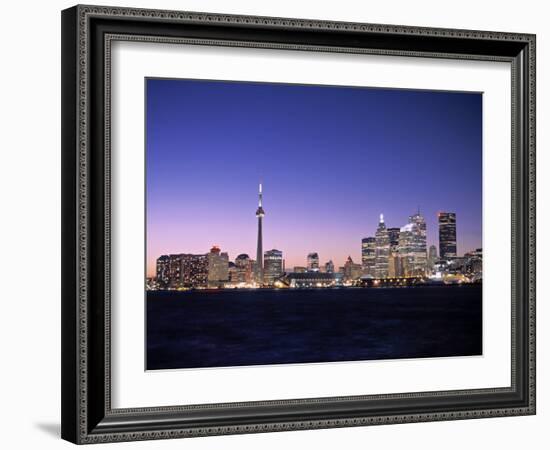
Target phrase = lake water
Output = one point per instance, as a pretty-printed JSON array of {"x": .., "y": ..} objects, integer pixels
[{"x": 250, "y": 327}]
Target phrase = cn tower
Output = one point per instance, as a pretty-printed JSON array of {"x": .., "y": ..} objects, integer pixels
[{"x": 260, "y": 213}]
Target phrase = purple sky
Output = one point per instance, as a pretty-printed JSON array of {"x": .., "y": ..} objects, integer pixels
[{"x": 331, "y": 160}]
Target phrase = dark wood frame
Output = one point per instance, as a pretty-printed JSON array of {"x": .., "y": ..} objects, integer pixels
[{"x": 87, "y": 32}]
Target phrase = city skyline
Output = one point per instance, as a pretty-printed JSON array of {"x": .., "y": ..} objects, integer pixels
[
  {"x": 323, "y": 190},
  {"x": 393, "y": 252}
]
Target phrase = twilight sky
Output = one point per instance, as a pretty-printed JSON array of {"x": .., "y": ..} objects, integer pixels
[{"x": 331, "y": 159}]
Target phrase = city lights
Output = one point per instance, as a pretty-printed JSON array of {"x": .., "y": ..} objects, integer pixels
[{"x": 394, "y": 257}]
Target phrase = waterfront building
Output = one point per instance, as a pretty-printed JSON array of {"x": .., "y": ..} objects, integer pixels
[
  {"x": 329, "y": 267},
  {"x": 218, "y": 267},
  {"x": 368, "y": 256},
  {"x": 473, "y": 264},
  {"x": 382, "y": 250},
  {"x": 243, "y": 269},
  {"x": 260, "y": 213},
  {"x": 273, "y": 266},
  {"x": 447, "y": 235},
  {"x": 352, "y": 271},
  {"x": 175, "y": 271},
  {"x": 194, "y": 270},
  {"x": 309, "y": 280},
  {"x": 313, "y": 262},
  {"x": 163, "y": 271}
]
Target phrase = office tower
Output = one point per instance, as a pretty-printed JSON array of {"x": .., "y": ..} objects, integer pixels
[
  {"x": 329, "y": 267},
  {"x": 393, "y": 236},
  {"x": 260, "y": 213},
  {"x": 394, "y": 266},
  {"x": 218, "y": 267},
  {"x": 419, "y": 244},
  {"x": 368, "y": 255},
  {"x": 243, "y": 269},
  {"x": 447, "y": 235},
  {"x": 313, "y": 262},
  {"x": 273, "y": 266},
  {"x": 405, "y": 249},
  {"x": 382, "y": 249}
]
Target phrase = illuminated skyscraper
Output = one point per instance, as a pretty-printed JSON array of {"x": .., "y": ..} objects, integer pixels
[
  {"x": 313, "y": 262},
  {"x": 273, "y": 266},
  {"x": 382, "y": 249},
  {"x": 394, "y": 263},
  {"x": 218, "y": 267},
  {"x": 329, "y": 267},
  {"x": 393, "y": 236},
  {"x": 368, "y": 255},
  {"x": 406, "y": 253},
  {"x": 419, "y": 244},
  {"x": 412, "y": 247},
  {"x": 260, "y": 213},
  {"x": 447, "y": 235}
]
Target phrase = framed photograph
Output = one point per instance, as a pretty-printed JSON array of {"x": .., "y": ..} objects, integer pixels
[{"x": 278, "y": 224}]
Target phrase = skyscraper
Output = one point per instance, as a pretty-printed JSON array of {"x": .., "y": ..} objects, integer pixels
[
  {"x": 412, "y": 246},
  {"x": 406, "y": 254},
  {"x": 419, "y": 244},
  {"x": 368, "y": 255},
  {"x": 329, "y": 266},
  {"x": 313, "y": 262},
  {"x": 393, "y": 236},
  {"x": 218, "y": 267},
  {"x": 382, "y": 249},
  {"x": 243, "y": 268},
  {"x": 394, "y": 263},
  {"x": 273, "y": 266},
  {"x": 260, "y": 213},
  {"x": 447, "y": 235}
]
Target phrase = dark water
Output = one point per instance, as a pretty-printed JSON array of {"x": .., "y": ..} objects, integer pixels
[{"x": 250, "y": 327}]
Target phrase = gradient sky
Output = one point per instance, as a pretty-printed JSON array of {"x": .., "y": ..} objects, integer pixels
[{"x": 331, "y": 159}]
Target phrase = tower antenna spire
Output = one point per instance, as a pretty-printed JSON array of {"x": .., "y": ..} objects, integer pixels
[{"x": 260, "y": 213}]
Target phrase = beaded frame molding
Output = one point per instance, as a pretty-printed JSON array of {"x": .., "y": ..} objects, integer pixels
[{"x": 87, "y": 35}]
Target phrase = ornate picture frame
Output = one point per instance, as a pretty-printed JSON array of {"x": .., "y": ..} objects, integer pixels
[{"x": 87, "y": 35}]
